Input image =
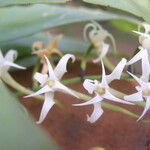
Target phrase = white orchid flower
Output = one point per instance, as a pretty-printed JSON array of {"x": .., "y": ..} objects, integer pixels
[
  {"x": 7, "y": 62},
  {"x": 97, "y": 35},
  {"x": 102, "y": 91},
  {"x": 50, "y": 83},
  {"x": 142, "y": 94},
  {"x": 143, "y": 56}
]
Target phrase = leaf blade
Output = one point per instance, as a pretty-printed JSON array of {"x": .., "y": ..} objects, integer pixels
[
  {"x": 17, "y": 130},
  {"x": 137, "y": 7},
  {"x": 4, "y": 3},
  {"x": 29, "y": 20}
]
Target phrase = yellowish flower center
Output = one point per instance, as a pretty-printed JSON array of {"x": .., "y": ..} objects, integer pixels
[
  {"x": 100, "y": 91},
  {"x": 146, "y": 92},
  {"x": 96, "y": 42},
  {"x": 50, "y": 83}
]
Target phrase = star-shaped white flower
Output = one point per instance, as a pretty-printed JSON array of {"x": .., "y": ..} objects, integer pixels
[
  {"x": 50, "y": 83},
  {"x": 142, "y": 94},
  {"x": 102, "y": 91},
  {"x": 97, "y": 35},
  {"x": 143, "y": 54},
  {"x": 7, "y": 62}
]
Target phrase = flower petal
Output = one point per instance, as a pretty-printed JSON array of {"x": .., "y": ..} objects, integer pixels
[
  {"x": 104, "y": 79},
  {"x": 137, "y": 57},
  {"x": 147, "y": 106},
  {"x": 116, "y": 74},
  {"x": 45, "y": 89},
  {"x": 94, "y": 100},
  {"x": 103, "y": 52},
  {"x": 60, "y": 87},
  {"x": 136, "y": 97},
  {"x": 11, "y": 64},
  {"x": 145, "y": 67},
  {"x": 109, "y": 96},
  {"x": 142, "y": 34},
  {"x": 41, "y": 78},
  {"x": 61, "y": 67},
  {"x": 50, "y": 70},
  {"x": 48, "y": 103},
  {"x": 11, "y": 55},
  {"x": 90, "y": 85},
  {"x": 96, "y": 114},
  {"x": 86, "y": 28},
  {"x": 141, "y": 83}
]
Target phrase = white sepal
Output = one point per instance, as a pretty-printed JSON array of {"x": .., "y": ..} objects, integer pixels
[
  {"x": 41, "y": 78},
  {"x": 116, "y": 74},
  {"x": 94, "y": 100},
  {"x": 44, "y": 89},
  {"x": 90, "y": 85},
  {"x": 135, "y": 97},
  {"x": 109, "y": 96},
  {"x": 60, "y": 87},
  {"x": 61, "y": 67},
  {"x": 96, "y": 114},
  {"x": 52, "y": 75},
  {"x": 147, "y": 106},
  {"x": 48, "y": 104}
]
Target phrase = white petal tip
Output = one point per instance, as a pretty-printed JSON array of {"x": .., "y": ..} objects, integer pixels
[
  {"x": 23, "y": 68},
  {"x": 76, "y": 104},
  {"x": 73, "y": 58},
  {"x": 27, "y": 96},
  {"x": 136, "y": 32},
  {"x": 39, "y": 122},
  {"x": 124, "y": 59},
  {"x": 97, "y": 60},
  {"x": 139, "y": 119},
  {"x": 20, "y": 67},
  {"x": 89, "y": 119}
]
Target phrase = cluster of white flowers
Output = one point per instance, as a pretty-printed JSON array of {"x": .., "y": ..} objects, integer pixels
[
  {"x": 51, "y": 82},
  {"x": 101, "y": 89}
]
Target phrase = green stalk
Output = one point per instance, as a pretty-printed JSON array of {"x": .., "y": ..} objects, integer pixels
[
  {"x": 108, "y": 64},
  {"x": 12, "y": 83},
  {"x": 78, "y": 79},
  {"x": 85, "y": 58}
]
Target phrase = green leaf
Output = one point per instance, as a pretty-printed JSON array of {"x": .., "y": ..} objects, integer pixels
[
  {"x": 125, "y": 26},
  {"x": 17, "y": 131},
  {"x": 29, "y": 20},
  {"x": 140, "y": 8},
  {"x": 25, "y": 2}
]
